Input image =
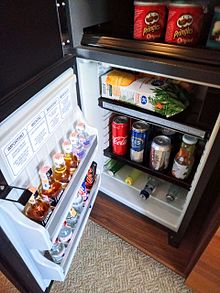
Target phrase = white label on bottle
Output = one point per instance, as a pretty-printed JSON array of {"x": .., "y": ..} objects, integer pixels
[
  {"x": 65, "y": 102},
  {"x": 18, "y": 152},
  {"x": 38, "y": 131},
  {"x": 180, "y": 171},
  {"x": 52, "y": 113}
]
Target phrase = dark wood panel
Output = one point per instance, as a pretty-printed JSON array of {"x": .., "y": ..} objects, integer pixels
[{"x": 143, "y": 233}]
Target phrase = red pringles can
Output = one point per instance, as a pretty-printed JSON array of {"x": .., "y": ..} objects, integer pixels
[
  {"x": 120, "y": 128},
  {"x": 149, "y": 20},
  {"x": 184, "y": 24}
]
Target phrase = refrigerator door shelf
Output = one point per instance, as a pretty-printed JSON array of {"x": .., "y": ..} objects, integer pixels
[
  {"x": 31, "y": 234},
  {"x": 35, "y": 235},
  {"x": 59, "y": 214},
  {"x": 53, "y": 271}
]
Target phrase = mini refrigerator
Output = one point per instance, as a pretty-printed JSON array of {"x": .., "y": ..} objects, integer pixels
[{"x": 53, "y": 87}]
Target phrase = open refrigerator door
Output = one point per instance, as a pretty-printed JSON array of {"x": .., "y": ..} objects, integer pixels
[{"x": 29, "y": 139}]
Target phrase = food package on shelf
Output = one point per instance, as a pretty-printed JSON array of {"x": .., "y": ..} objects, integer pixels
[{"x": 156, "y": 94}]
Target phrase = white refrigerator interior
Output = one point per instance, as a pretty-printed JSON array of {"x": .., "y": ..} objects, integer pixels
[
  {"x": 169, "y": 214},
  {"x": 29, "y": 138}
]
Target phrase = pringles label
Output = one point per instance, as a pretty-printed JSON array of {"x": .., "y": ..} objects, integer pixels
[
  {"x": 184, "y": 24},
  {"x": 149, "y": 20}
]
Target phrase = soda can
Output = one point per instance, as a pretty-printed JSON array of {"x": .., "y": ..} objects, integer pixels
[
  {"x": 120, "y": 127},
  {"x": 160, "y": 152},
  {"x": 139, "y": 136}
]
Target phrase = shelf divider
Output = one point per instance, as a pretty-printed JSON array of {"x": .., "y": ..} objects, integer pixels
[
  {"x": 165, "y": 175},
  {"x": 152, "y": 117}
]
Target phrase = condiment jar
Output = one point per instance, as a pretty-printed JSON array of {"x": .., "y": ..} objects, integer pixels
[{"x": 184, "y": 159}]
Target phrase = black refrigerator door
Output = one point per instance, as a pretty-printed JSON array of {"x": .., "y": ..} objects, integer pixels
[{"x": 30, "y": 43}]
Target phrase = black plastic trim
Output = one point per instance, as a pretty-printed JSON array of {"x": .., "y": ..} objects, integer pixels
[
  {"x": 165, "y": 175},
  {"x": 197, "y": 73},
  {"x": 155, "y": 118},
  {"x": 197, "y": 55}
]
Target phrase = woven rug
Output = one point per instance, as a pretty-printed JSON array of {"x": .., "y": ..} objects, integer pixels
[{"x": 105, "y": 263}]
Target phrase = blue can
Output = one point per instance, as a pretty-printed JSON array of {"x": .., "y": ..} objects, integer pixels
[{"x": 139, "y": 136}]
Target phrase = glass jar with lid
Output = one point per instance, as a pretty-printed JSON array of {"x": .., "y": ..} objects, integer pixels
[{"x": 184, "y": 159}]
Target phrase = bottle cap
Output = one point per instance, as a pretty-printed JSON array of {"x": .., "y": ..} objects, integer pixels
[
  {"x": 45, "y": 172},
  {"x": 74, "y": 137},
  {"x": 129, "y": 180},
  {"x": 58, "y": 159},
  {"x": 80, "y": 126},
  {"x": 67, "y": 146},
  {"x": 189, "y": 139}
]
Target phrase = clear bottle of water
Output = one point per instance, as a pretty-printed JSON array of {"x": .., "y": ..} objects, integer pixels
[{"x": 77, "y": 146}]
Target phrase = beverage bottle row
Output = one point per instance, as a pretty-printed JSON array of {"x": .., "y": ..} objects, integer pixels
[
  {"x": 113, "y": 166},
  {"x": 160, "y": 149},
  {"x": 53, "y": 180},
  {"x": 64, "y": 237}
]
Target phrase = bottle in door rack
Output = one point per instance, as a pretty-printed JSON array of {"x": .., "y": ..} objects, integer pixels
[
  {"x": 70, "y": 159},
  {"x": 60, "y": 172},
  {"x": 49, "y": 188}
]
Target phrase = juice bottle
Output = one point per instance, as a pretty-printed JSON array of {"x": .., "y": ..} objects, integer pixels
[
  {"x": 49, "y": 188},
  {"x": 184, "y": 159},
  {"x": 60, "y": 172},
  {"x": 69, "y": 158}
]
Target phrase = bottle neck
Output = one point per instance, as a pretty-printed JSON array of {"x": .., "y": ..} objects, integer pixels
[
  {"x": 60, "y": 169},
  {"x": 186, "y": 150}
]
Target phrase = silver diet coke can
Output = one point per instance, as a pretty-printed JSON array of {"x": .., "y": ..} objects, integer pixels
[{"x": 160, "y": 152}]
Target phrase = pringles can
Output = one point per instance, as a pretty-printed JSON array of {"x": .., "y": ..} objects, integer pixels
[
  {"x": 184, "y": 24},
  {"x": 120, "y": 128},
  {"x": 149, "y": 20},
  {"x": 160, "y": 153},
  {"x": 139, "y": 135}
]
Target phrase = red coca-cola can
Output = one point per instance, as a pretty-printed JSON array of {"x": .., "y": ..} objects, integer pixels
[
  {"x": 120, "y": 127},
  {"x": 149, "y": 20},
  {"x": 184, "y": 24}
]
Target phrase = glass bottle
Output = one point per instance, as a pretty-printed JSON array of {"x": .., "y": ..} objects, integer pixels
[
  {"x": 184, "y": 159},
  {"x": 83, "y": 135},
  {"x": 60, "y": 172},
  {"x": 72, "y": 218},
  {"x": 132, "y": 177},
  {"x": 49, "y": 188},
  {"x": 69, "y": 158},
  {"x": 77, "y": 146},
  {"x": 37, "y": 208},
  {"x": 172, "y": 193},
  {"x": 78, "y": 203},
  {"x": 149, "y": 188},
  {"x": 57, "y": 252},
  {"x": 65, "y": 234}
]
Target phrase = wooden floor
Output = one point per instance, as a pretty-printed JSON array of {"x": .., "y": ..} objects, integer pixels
[
  {"x": 205, "y": 276},
  {"x": 142, "y": 233}
]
